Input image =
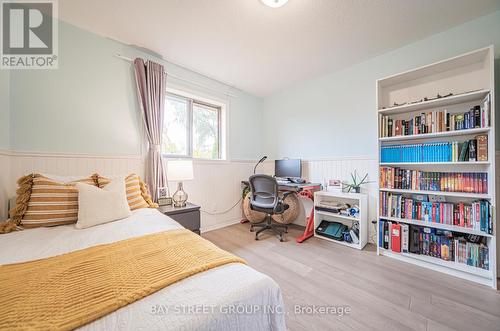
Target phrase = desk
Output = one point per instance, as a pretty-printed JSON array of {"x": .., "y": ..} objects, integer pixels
[
  {"x": 292, "y": 186},
  {"x": 306, "y": 190}
]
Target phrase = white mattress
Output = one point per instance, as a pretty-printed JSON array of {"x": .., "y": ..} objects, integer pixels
[{"x": 201, "y": 302}]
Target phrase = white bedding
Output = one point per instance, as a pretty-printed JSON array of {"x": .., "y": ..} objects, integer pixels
[{"x": 201, "y": 302}]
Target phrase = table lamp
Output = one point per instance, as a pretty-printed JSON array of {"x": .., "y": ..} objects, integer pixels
[{"x": 179, "y": 170}]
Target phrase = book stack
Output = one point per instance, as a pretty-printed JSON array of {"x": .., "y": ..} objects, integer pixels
[
  {"x": 472, "y": 254},
  {"x": 469, "y": 151},
  {"x": 404, "y": 179},
  {"x": 445, "y": 245},
  {"x": 476, "y": 215},
  {"x": 437, "y": 121}
]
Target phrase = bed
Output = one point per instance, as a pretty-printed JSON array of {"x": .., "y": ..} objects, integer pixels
[{"x": 229, "y": 297}]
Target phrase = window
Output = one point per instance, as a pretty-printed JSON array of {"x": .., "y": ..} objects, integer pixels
[{"x": 192, "y": 128}]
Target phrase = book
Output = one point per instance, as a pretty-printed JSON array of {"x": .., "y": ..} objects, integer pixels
[
  {"x": 472, "y": 155},
  {"x": 463, "y": 152},
  {"x": 414, "y": 240},
  {"x": 482, "y": 147},
  {"x": 404, "y": 238},
  {"x": 386, "y": 235},
  {"x": 396, "y": 238}
]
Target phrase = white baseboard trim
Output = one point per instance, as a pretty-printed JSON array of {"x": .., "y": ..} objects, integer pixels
[{"x": 220, "y": 226}]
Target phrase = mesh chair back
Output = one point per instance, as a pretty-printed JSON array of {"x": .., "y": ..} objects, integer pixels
[{"x": 264, "y": 191}]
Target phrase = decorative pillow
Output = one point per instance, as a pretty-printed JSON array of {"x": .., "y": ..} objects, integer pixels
[
  {"x": 101, "y": 205},
  {"x": 42, "y": 201},
  {"x": 137, "y": 191}
]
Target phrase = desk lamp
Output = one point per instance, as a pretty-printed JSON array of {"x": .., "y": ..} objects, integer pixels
[
  {"x": 260, "y": 161},
  {"x": 179, "y": 170}
]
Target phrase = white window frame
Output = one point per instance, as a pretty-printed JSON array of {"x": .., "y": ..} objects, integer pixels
[{"x": 222, "y": 123}]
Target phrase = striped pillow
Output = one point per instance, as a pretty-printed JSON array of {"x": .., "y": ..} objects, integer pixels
[
  {"x": 137, "y": 191},
  {"x": 50, "y": 202}
]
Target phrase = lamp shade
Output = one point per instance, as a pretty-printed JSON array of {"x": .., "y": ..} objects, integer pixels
[{"x": 180, "y": 170}]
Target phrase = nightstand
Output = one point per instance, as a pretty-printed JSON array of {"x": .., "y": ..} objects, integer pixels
[{"x": 188, "y": 216}]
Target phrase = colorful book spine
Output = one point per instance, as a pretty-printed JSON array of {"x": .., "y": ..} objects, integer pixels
[
  {"x": 437, "y": 121},
  {"x": 475, "y": 215},
  {"x": 405, "y": 179},
  {"x": 468, "y": 151}
]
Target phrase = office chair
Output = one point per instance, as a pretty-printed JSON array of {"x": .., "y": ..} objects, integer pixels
[{"x": 265, "y": 198}]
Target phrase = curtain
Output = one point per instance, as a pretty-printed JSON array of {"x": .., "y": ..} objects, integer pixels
[{"x": 150, "y": 79}]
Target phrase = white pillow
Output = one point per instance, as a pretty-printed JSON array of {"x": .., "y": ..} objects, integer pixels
[{"x": 101, "y": 205}]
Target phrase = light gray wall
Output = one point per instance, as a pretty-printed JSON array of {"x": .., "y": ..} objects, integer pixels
[
  {"x": 334, "y": 115},
  {"x": 89, "y": 106},
  {"x": 4, "y": 109}
]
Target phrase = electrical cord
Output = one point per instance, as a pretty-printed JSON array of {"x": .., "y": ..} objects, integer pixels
[
  {"x": 373, "y": 235},
  {"x": 223, "y": 212}
]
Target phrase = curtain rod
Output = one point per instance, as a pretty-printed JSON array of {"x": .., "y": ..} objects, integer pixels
[{"x": 183, "y": 79}]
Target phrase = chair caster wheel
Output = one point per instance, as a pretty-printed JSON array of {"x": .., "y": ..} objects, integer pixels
[
  {"x": 281, "y": 239},
  {"x": 256, "y": 238}
]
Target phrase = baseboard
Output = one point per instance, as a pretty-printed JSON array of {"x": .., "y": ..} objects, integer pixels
[{"x": 220, "y": 226}]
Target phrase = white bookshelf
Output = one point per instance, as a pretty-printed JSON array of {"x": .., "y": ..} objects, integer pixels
[
  {"x": 358, "y": 199},
  {"x": 470, "y": 77}
]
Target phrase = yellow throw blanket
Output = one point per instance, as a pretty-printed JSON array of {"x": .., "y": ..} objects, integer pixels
[{"x": 67, "y": 291}]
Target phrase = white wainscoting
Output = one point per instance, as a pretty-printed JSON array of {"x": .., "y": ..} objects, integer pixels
[
  {"x": 216, "y": 186},
  {"x": 5, "y": 185},
  {"x": 22, "y": 163},
  {"x": 73, "y": 165}
]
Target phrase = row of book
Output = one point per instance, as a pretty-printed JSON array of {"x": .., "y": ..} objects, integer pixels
[
  {"x": 476, "y": 215},
  {"x": 437, "y": 121},
  {"x": 469, "y": 151},
  {"x": 405, "y": 179},
  {"x": 445, "y": 245}
]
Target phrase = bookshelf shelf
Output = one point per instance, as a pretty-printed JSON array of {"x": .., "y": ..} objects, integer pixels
[
  {"x": 443, "y": 102},
  {"x": 343, "y": 243},
  {"x": 438, "y": 226},
  {"x": 446, "y": 194},
  {"x": 434, "y": 135},
  {"x": 457, "y": 269},
  {"x": 322, "y": 212},
  {"x": 442, "y": 77}
]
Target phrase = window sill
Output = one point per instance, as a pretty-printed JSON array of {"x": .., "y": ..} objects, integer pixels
[{"x": 196, "y": 160}]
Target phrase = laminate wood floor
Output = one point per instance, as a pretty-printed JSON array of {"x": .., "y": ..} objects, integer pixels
[{"x": 382, "y": 293}]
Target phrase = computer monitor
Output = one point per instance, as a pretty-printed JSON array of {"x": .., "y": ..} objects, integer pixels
[{"x": 288, "y": 168}]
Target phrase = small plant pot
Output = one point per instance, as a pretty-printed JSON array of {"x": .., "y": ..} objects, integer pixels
[{"x": 356, "y": 189}]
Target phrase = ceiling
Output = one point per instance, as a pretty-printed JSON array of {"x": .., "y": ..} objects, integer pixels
[{"x": 262, "y": 50}]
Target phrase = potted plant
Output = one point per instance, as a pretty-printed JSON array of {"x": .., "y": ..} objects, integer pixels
[{"x": 355, "y": 186}]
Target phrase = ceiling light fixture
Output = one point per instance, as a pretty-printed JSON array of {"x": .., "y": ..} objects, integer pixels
[{"x": 274, "y": 3}]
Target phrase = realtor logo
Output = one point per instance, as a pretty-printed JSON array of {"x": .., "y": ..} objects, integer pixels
[{"x": 29, "y": 34}]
